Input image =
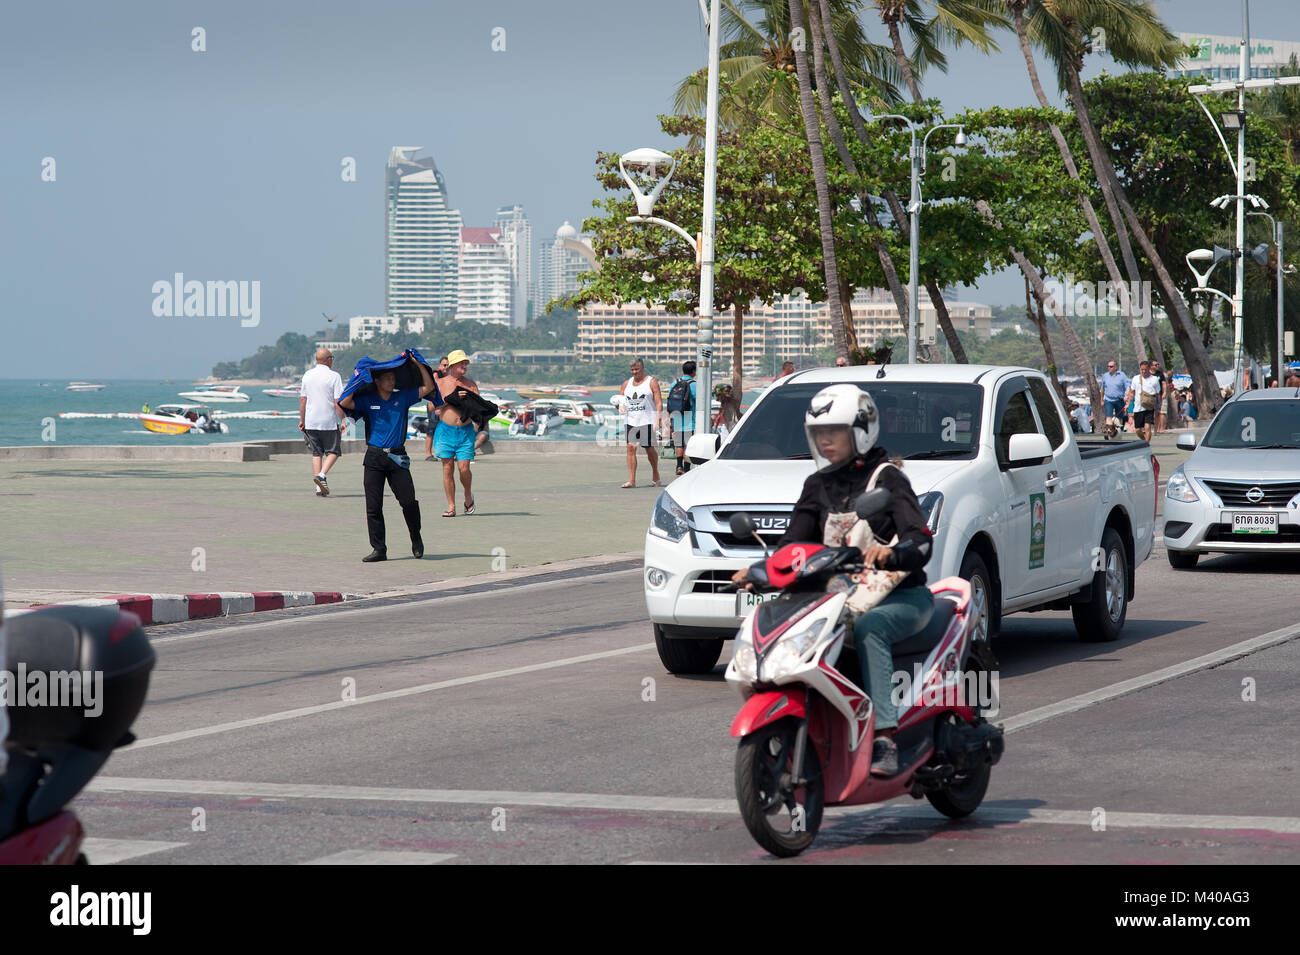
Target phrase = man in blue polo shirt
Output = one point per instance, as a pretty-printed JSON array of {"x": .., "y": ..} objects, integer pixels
[
  {"x": 384, "y": 411},
  {"x": 1115, "y": 385}
]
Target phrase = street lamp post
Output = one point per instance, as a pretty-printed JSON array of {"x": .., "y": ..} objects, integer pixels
[
  {"x": 917, "y": 153},
  {"x": 649, "y": 161}
]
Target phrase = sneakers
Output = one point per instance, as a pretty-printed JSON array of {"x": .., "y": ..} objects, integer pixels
[
  {"x": 322, "y": 485},
  {"x": 884, "y": 757}
]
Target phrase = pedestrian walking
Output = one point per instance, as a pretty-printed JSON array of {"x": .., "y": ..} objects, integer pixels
[
  {"x": 644, "y": 409},
  {"x": 319, "y": 418},
  {"x": 455, "y": 442},
  {"x": 1115, "y": 385},
  {"x": 431, "y": 419},
  {"x": 1146, "y": 391},
  {"x": 384, "y": 410},
  {"x": 1162, "y": 402},
  {"x": 681, "y": 413}
]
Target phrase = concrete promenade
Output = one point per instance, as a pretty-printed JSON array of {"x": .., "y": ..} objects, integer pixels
[{"x": 100, "y": 525}]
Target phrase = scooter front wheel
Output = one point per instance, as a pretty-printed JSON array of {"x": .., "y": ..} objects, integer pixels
[{"x": 782, "y": 819}]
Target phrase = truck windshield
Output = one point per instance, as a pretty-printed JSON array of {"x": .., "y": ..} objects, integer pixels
[
  {"x": 1270, "y": 423},
  {"x": 917, "y": 420}
]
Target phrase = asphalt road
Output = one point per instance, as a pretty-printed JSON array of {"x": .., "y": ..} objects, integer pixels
[{"x": 533, "y": 723}]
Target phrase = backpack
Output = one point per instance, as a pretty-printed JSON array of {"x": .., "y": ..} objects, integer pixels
[{"x": 679, "y": 398}]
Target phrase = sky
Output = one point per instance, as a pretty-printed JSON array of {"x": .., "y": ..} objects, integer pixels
[{"x": 225, "y": 164}]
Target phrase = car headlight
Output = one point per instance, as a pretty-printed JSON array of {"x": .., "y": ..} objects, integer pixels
[
  {"x": 745, "y": 661},
  {"x": 787, "y": 655},
  {"x": 668, "y": 520},
  {"x": 931, "y": 504},
  {"x": 1180, "y": 489}
]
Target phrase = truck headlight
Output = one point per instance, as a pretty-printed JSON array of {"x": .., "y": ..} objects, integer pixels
[
  {"x": 668, "y": 520},
  {"x": 1180, "y": 489},
  {"x": 931, "y": 504}
]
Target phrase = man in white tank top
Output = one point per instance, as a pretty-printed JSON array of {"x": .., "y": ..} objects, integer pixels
[{"x": 644, "y": 409}]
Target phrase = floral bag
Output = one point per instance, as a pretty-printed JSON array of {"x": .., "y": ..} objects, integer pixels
[{"x": 867, "y": 587}]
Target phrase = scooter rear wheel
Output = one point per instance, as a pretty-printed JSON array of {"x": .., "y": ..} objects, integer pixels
[
  {"x": 782, "y": 821},
  {"x": 963, "y": 797}
]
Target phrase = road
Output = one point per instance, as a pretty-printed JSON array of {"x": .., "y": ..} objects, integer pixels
[{"x": 517, "y": 722}]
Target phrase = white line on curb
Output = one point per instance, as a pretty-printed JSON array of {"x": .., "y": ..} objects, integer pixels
[
  {"x": 1155, "y": 677},
  {"x": 674, "y": 804},
  {"x": 381, "y": 697}
]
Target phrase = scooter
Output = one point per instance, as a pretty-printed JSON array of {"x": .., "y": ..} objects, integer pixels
[
  {"x": 60, "y": 738},
  {"x": 806, "y": 728}
]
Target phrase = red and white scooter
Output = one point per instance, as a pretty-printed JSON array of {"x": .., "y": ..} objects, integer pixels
[
  {"x": 55, "y": 746},
  {"x": 806, "y": 729}
]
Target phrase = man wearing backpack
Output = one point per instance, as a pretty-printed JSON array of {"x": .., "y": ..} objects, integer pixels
[{"x": 681, "y": 413}]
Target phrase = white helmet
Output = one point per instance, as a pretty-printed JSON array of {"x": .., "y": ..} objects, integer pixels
[{"x": 846, "y": 405}]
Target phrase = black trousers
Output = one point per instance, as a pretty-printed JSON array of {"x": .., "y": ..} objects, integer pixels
[{"x": 378, "y": 468}]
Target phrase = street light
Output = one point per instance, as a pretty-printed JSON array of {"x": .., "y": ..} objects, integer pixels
[
  {"x": 649, "y": 161},
  {"x": 918, "y": 156},
  {"x": 1277, "y": 239},
  {"x": 1233, "y": 119}
]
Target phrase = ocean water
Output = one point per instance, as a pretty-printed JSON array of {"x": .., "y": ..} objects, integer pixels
[{"x": 29, "y": 414}]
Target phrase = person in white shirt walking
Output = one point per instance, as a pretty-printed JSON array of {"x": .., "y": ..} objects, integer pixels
[
  {"x": 643, "y": 406},
  {"x": 319, "y": 417}
]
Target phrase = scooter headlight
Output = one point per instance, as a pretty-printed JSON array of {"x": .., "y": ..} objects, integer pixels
[
  {"x": 745, "y": 661},
  {"x": 1180, "y": 489},
  {"x": 787, "y": 656}
]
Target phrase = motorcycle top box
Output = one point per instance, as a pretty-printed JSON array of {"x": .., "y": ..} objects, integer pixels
[{"x": 101, "y": 649}]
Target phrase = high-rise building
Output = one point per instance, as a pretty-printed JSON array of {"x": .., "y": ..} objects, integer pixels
[
  {"x": 566, "y": 258},
  {"x": 517, "y": 236},
  {"x": 422, "y": 238},
  {"x": 486, "y": 278}
]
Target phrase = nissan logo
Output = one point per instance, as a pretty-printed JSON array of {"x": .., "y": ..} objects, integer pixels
[{"x": 1255, "y": 495}]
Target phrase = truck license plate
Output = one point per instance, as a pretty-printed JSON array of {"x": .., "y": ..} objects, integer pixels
[
  {"x": 1254, "y": 523},
  {"x": 747, "y": 600}
]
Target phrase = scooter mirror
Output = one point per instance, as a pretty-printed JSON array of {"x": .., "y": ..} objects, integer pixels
[
  {"x": 871, "y": 503},
  {"x": 742, "y": 525}
]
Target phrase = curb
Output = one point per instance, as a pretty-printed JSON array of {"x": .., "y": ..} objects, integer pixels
[{"x": 176, "y": 608}]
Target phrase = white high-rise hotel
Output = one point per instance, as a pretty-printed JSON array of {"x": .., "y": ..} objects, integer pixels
[
  {"x": 422, "y": 238},
  {"x": 517, "y": 237},
  {"x": 486, "y": 277}
]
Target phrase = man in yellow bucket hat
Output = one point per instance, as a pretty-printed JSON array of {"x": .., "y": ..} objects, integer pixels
[{"x": 454, "y": 440}]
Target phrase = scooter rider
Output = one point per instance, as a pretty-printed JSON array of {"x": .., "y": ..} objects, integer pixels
[{"x": 842, "y": 426}]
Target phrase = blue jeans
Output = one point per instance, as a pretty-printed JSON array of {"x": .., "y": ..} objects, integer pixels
[
  {"x": 904, "y": 613},
  {"x": 1115, "y": 408}
]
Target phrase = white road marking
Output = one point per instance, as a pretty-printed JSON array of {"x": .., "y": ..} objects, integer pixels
[
  {"x": 110, "y": 851},
  {"x": 677, "y": 804},
  {"x": 377, "y": 857},
  {"x": 381, "y": 697},
  {"x": 1155, "y": 677},
  {"x": 340, "y": 614}
]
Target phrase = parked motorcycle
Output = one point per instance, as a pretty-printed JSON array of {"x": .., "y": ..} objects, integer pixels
[
  {"x": 806, "y": 728},
  {"x": 56, "y": 744}
]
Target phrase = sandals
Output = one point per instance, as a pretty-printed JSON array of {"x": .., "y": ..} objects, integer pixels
[
  {"x": 469, "y": 506},
  {"x": 628, "y": 484},
  {"x": 449, "y": 512}
]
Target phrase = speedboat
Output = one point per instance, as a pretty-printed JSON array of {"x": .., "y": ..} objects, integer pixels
[
  {"x": 217, "y": 393},
  {"x": 535, "y": 420},
  {"x": 84, "y": 386},
  {"x": 576, "y": 391},
  {"x": 577, "y": 412},
  {"x": 182, "y": 419},
  {"x": 282, "y": 392}
]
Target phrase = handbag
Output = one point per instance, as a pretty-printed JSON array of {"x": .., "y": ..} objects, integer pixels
[
  {"x": 1148, "y": 402},
  {"x": 869, "y": 586}
]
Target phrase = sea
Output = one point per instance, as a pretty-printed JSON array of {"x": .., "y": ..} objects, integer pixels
[{"x": 30, "y": 414}]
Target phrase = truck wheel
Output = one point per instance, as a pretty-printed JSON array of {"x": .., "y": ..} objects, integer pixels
[
  {"x": 1102, "y": 617},
  {"x": 982, "y": 595},
  {"x": 1182, "y": 559},
  {"x": 686, "y": 655}
]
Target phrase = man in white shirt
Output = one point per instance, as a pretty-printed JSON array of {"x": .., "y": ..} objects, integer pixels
[{"x": 319, "y": 417}]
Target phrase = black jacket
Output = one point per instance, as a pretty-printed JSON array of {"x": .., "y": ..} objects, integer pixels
[
  {"x": 835, "y": 491},
  {"x": 472, "y": 407}
]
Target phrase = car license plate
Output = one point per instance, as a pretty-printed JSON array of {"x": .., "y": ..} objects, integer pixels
[
  {"x": 1254, "y": 523},
  {"x": 747, "y": 600}
]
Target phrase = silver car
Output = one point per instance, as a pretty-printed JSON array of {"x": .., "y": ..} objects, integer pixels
[{"x": 1239, "y": 492}]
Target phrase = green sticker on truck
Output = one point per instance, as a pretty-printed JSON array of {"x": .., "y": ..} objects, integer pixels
[{"x": 1037, "y": 529}]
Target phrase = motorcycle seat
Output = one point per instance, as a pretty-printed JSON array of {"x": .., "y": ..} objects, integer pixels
[{"x": 925, "y": 641}]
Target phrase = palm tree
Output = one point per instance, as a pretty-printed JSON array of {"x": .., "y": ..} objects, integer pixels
[
  {"x": 838, "y": 330},
  {"x": 1135, "y": 36}
]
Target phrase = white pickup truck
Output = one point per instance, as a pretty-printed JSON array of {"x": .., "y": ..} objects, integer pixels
[{"x": 1016, "y": 507}]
